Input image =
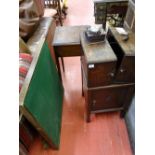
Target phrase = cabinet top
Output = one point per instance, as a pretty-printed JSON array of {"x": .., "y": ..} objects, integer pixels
[
  {"x": 68, "y": 35},
  {"x": 128, "y": 46},
  {"x": 97, "y": 53}
]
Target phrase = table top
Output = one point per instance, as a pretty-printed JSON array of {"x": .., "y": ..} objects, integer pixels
[
  {"x": 109, "y": 1},
  {"x": 98, "y": 52},
  {"x": 128, "y": 46},
  {"x": 68, "y": 35}
]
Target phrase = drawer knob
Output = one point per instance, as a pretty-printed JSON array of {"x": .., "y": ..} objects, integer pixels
[
  {"x": 112, "y": 74},
  {"x": 122, "y": 70}
]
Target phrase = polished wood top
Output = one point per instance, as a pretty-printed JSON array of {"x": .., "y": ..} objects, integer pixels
[
  {"x": 109, "y": 1},
  {"x": 98, "y": 52},
  {"x": 128, "y": 46},
  {"x": 68, "y": 35}
]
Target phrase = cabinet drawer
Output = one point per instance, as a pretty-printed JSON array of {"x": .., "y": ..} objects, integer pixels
[
  {"x": 109, "y": 98},
  {"x": 99, "y": 74},
  {"x": 126, "y": 71}
]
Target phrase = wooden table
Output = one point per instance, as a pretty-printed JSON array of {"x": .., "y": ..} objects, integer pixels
[
  {"x": 102, "y": 67},
  {"x": 66, "y": 42}
]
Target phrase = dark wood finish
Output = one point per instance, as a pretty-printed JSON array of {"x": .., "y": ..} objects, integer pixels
[
  {"x": 125, "y": 51},
  {"x": 107, "y": 98},
  {"x": 68, "y": 50},
  {"x": 108, "y": 81},
  {"x": 99, "y": 62},
  {"x": 103, "y": 9},
  {"x": 66, "y": 42}
]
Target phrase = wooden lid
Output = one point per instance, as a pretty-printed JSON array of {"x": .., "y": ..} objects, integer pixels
[
  {"x": 128, "y": 47},
  {"x": 98, "y": 52},
  {"x": 68, "y": 35}
]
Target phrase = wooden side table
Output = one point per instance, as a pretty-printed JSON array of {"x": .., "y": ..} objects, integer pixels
[
  {"x": 99, "y": 69},
  {"x": 66, "y": 42}
]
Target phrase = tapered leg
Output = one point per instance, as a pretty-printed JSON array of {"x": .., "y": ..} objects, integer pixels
[
  {"x": 82, "y": 81},
  {"x": 63, "y": 66},
  {"x": 128, "y": 101},
  {"x": 58, "y": 67}
]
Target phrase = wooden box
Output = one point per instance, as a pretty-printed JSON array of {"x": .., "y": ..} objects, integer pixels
[
  {"x": 125, "y": 51},
  {"x": 98, "y": 61}
]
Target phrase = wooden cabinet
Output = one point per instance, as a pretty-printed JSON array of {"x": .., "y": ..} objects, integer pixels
[
  {"x": 107, "y": 75},
  {"x": 99, "y": 62},
  {"x": 125, "y": 51}
]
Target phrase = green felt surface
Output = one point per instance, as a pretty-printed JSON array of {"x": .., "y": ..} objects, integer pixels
[{"x": 45, "y": 96}]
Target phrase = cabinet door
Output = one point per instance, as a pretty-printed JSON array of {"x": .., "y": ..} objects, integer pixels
[
  {"x": 126, "y": 71},
  {"x": 109, "y": 98}
]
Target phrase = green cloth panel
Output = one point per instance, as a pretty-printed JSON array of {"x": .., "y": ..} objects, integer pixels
[{"x": 45, "y": 96}]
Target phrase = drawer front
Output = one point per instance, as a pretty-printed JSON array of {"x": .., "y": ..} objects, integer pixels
[
  {"x": 126, "y": 71},
  {"x": 100, "y": 74},
  {"x": 68, "y": 50},
  {"x": 109, "y": 98}
]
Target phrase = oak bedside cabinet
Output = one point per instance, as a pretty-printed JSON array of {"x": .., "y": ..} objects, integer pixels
[{"x": 99, "y": 65}]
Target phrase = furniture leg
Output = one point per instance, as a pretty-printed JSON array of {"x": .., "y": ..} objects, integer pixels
[
  {"x": 82, "y": 81},
  {"x": 87, "y": 100},
  {"x": 128, "y": 101},
  {"x": 88, "y": 116},
  {"x": 58, "y": 67},
  {"x": 63, "y": 66}
]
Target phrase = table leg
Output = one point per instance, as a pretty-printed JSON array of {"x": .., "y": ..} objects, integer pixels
[
  {"x": 128, "y": 101},
  {"x": 58, "y": 67},
  {"x": 63, "y": 66},
  {"x": 82, "y": 80}
]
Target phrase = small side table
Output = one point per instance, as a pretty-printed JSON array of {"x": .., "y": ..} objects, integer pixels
[{"x": 66, "y": 42}]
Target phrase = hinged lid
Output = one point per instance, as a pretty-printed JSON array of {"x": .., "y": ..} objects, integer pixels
[{"x": 97, "y": 52}]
